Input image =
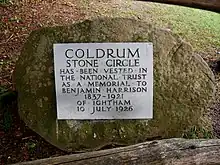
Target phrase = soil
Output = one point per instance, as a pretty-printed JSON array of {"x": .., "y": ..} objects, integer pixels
[
  {"x": 19, "y": 19},
  {"x": 17, "y": 142}
]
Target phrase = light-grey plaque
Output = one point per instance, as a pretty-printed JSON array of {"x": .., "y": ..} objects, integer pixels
[{"x": 104, "y": 80}]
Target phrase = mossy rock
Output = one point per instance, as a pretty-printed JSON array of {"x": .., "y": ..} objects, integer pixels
[{"x": 183, "y": 86}]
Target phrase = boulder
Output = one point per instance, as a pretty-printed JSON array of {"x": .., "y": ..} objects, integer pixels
[{"x": 183, "y": 86}]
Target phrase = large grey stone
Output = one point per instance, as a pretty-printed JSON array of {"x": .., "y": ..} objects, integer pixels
[{"x": 183, "y": 86}]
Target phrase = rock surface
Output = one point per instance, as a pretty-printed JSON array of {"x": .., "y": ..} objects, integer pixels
[{"x": 183, "y": 86}]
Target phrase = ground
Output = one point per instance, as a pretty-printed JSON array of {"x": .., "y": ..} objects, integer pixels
[{"x": 18, "y": 19}]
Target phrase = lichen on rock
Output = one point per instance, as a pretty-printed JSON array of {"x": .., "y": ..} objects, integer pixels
[{"x": 183, "y": 86}]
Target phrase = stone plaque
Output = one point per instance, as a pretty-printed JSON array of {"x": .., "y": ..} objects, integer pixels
[{"x": 104, "y": 80}]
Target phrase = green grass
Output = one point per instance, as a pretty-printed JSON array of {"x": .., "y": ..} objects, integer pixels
[
  {"x": 4, "y": 2},
  {"x": 201, "y": 28},
  {"x": 198, "y": 133}
]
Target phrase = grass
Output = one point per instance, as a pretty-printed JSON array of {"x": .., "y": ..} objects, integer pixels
[
  {"x": 200, "y": 27},
  {"x": 3, "y": 2},
  {"x": 198, "y": 133}
]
